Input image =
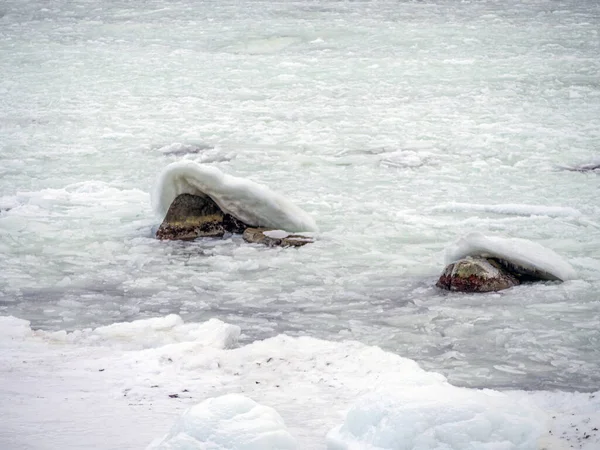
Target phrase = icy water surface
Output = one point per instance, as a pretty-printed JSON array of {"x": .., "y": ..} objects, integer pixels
[{"x": 399, "y": 126}]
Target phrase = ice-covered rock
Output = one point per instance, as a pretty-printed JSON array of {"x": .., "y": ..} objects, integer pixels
[
  {"x": 522, "y": 257},
  {"x": 229, "y": 422},
  {"x": 250, "y": 202},
  {"x": 275, "y": 238},
  {"x": 475, "y": 275},
  {"x": 438, "y": 418},
  {"x": 192, "y": 216}
]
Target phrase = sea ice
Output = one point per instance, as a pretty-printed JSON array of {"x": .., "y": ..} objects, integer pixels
[
  {"x": 520, "y": 251},
  {"x": 250, "y": 202}
]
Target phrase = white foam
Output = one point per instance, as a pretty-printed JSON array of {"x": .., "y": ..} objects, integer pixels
[
  {"x": 250, "y": 202},
  {"x": 520, "y": 251}
]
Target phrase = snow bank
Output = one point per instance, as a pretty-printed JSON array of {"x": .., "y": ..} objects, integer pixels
[
  {"x": 439, "y": 417},
  {"x": 229, "y": 422},
  {"x": 510, "y": 209},
  {"x": 124, "y": 398},
  {"x": 519, "y": 251},
  {"x": 250, "y": 202}
]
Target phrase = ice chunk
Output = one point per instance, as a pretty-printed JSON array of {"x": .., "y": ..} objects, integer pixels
[
  {"x": 276, "y": 234},
  {"x": 439, "y": 417},
  {"x": 521, "y": 252},
  {"x": 155, "y": 332},
  {"x": 12, "y": 328},
  {"x": 250, "y": 202},
  {"x": 229, "y": 422}
]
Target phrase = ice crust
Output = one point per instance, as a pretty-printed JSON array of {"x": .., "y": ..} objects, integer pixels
[
  {"x": 238, "y": 398},
  {"x": 522, "y": 252},
  {"x": 250, "y": 202}
]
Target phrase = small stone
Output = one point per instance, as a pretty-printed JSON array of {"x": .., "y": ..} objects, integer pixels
[
  {"x": 476, "y": 275},
  {"x": 274, "y": 238}
]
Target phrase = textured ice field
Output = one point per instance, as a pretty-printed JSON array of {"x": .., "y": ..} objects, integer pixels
[{"x": 399, "y": 127}]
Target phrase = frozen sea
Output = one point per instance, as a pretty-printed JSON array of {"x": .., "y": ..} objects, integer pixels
[{"x": 399, "y": 126}]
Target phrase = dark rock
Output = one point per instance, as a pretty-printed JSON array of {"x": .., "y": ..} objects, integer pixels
[
  {"x": 593, "y": 167},
  {"x": 233, "y": 224},
  {"x": 277, "y": 238},
  {"x": 193, "y": 216},
  {"x": 476, "y": 275},
  {"x": 522, "y": 273}
]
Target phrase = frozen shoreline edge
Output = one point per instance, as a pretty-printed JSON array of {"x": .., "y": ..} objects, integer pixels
[{"x": 144, "y": 359}]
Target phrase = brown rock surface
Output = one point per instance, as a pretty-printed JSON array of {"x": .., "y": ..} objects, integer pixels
[
  {"x": 276, "y": 238},
  {"x": 476, "y": 275},
  {"x": 193, "y": 216}
]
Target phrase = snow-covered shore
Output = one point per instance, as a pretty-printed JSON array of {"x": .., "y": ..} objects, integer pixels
[{"x": 123, "y": 385}]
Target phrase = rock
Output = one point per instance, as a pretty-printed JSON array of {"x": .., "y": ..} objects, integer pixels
[
  {"x": 592, "y": 167},
  {"x": 193, "y": 216},
  {"x": 273, "y": 238},
  {"x": 476, "y": 275},
  {"x": 522, "y": 273}
]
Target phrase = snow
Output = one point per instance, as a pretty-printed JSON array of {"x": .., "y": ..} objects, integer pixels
[
  {"x": 281, "y": 392},
  {"x": 228, "y": 422},
  {"x": 250, "y": 202},
  {"x": 519, "y": 251}
]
